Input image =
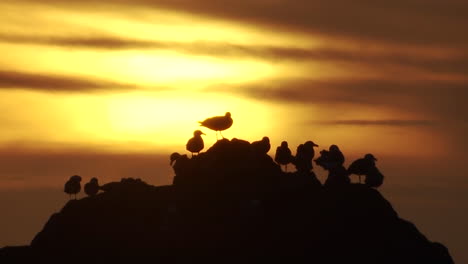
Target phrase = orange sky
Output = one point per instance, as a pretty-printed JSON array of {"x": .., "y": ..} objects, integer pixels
[{"x": 109, "y": 89}]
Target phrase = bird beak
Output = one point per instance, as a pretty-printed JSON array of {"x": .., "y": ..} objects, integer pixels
[
  {"x": 315, "y": 145},
  {"x": 375, "y": 159},
  {"x": 203, "y": 133},
  {"x": 172, "y": 161}
]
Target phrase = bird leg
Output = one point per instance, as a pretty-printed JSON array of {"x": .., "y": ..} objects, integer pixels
[{"x": 221, "y": 134}]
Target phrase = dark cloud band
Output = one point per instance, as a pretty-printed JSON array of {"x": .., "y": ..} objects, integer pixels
[
  {"x": 386, "y": 122},
  {"x": 452, "y": 64},
  {"x": 55, "y": 83}
]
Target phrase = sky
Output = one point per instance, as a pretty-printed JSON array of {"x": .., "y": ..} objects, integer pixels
[{"x": 109, "y": 89}]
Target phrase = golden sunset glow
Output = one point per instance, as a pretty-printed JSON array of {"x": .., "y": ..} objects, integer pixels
[
  {"x": 111, "y": 88},
  {"x": 141, "y": 80}
]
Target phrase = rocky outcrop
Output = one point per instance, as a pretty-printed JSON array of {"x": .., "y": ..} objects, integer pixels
[{"x": 231, "y": 202}]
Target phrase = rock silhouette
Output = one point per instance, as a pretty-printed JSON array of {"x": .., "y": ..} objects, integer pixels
[
  {"x": 195, "y": 144},
  {"x": 232, "y": 203},
  {"x": 73, "y": 186},
  {"x": 174, "y": 157},
  {"x": 218, "y": 123}
]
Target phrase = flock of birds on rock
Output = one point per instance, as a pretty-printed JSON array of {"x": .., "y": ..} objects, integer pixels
[
  {"x": 73, "y": 186},
  {"x": 331, "y": 159}
]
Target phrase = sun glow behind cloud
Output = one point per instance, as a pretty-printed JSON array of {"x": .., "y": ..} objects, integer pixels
[
  {"x": 168, "y": 98},
  {"x": 167, "y": 86}
]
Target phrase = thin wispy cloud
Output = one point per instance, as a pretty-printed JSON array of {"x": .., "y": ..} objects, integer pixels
[
  {"x": 440, "y": 100},
  {"x": 430, "y": 22},
  {"x": 96, "y": 42},
  {"x": 363, "y": 122},
  {"x": 452, "y": 64},
  {"x": 56, "y": 83}
]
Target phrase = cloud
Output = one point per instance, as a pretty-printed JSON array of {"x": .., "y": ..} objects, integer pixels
[
  {"x": 429, "y": 22},
  {"x": 103, "y": 42},
  {"x": 438, "y": 99},
  {"x": 422, "y": 22},
  {"x": 385, "y": 122},
  {"x": 56, "y": 83},
  {"x": 448, "y": 64}
]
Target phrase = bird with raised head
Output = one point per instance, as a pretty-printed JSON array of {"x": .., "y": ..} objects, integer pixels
[
  {"x": 218, "y": 123},
  {"x": 195, "y": 144}
]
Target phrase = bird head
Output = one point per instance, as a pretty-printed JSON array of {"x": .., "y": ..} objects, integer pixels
[
  {"x": 75, "y": 178},
  {"x": 227, "y": 114},
  {"x": 370, "y": 157},
  {"x": 174, "y": 157},
  {"x": 310, "y": 144},
  {"x": 334, "y": 148},
  {"x": 284, "y": 144},
  {"x": 94, "y": 180},
  {"x": 266, "y": 139},
  {"x": 198, "y": 133}
]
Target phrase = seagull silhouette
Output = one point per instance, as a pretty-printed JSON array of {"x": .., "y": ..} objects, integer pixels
[
  {"x": 73, "y": 186},
  {"x": 218, "y": 123},
  {"x": 362, "y": 166},
  {"x": 195, "y": 144},
  {"x": 283, "y": 155},
  {"x": 92, "y": 187},
  {"x": 335, "y": 155},
  {"x": 262, "y": 146}
]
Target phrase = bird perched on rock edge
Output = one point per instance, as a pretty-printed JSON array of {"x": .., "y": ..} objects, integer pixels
[
  {"x": 262, "y": 146},
  {"x": 73, "y": 186},
  {"x": 335, "y": 155},
  {"x": 92, "y": 187},
  {"x": 195, "y": 144},
  {"x": 218, "y": 123},
  {"x": 362, "y": 166}
]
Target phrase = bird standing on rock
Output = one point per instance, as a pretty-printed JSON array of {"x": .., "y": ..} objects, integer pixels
[
  {"x": 304, "y": 155},
  {"x": 309, "y": 150},
  {"x": 283, "y": 155},
  {"x": 73, "y": 186},
  {"x": 92, "y": 187},
  {"x": 195, "y": 144},
  {"x": 218, "y": 123},
  {"x": 336, "y": 156},
  {"x": 362, "y": 166}
]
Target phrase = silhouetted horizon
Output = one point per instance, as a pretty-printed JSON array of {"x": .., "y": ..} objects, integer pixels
[{"x": 233, "y": 196}]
